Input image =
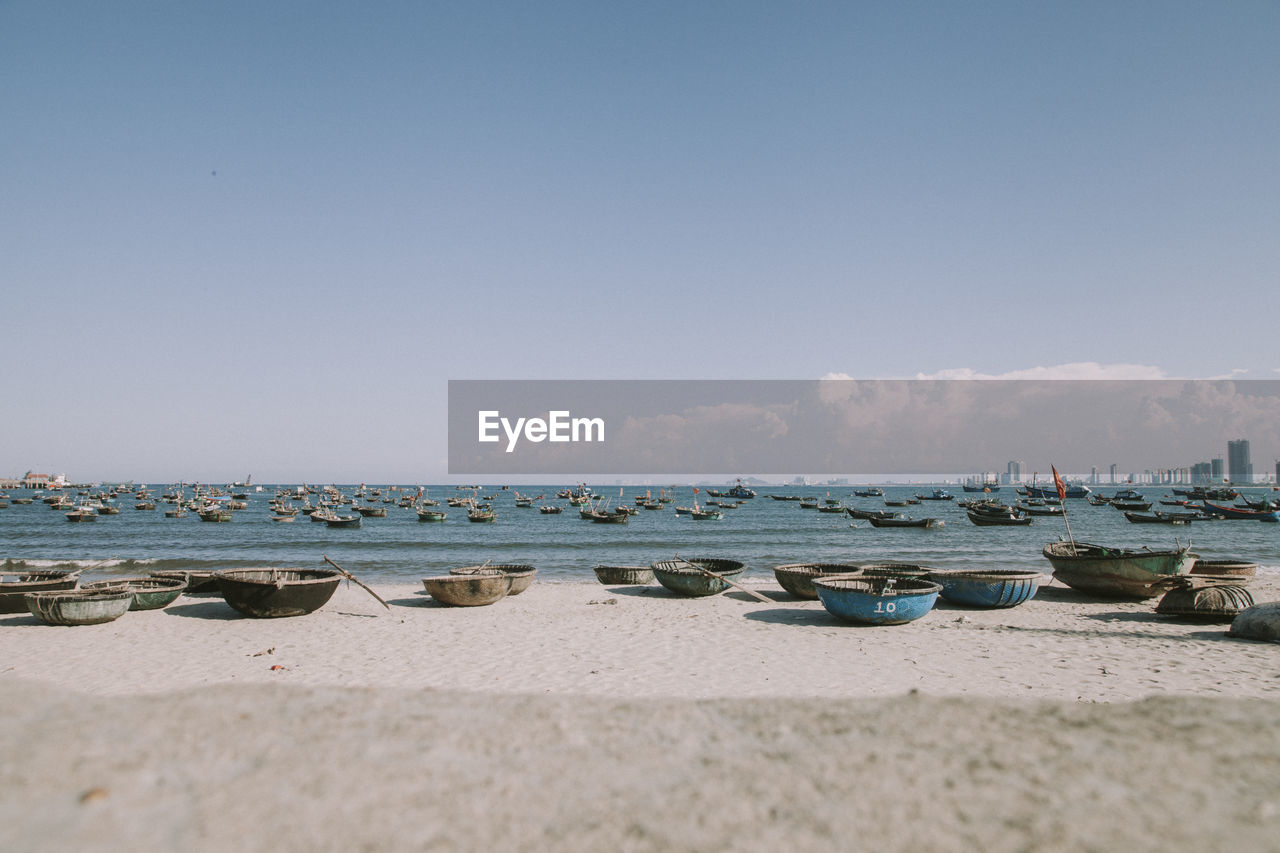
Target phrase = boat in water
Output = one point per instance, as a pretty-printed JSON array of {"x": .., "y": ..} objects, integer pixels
[{"x": 1118, "y": 572}]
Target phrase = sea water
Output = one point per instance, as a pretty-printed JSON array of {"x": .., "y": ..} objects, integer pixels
[{"x": 761, "y": 533}]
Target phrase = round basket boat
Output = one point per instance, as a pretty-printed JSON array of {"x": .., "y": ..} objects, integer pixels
[
  {"x": 1259, "y": 622},
  {"x": 989, "y": 587},
  {"x": 877, "y": 600},
  {"x": 272, "y": 593},
  {"x": 684, "y": 579},
  {"x": 198, "y": 580},
  {"x": 896, "y": 570},
  {"x": 521, "y": 575},
  {"x": 78, "y": 607},
  {"x": 624, "y": 575},
  {"x": 148, "y": 593},
  {"x": 470, "y": 590},
  {"x": 15, "y": 585},
  {"x": 1198, "y": 603},
  {"x": 797, "y": 578},
  {"x": 1238, "y": 568}
]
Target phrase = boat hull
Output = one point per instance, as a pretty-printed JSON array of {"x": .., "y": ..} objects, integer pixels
[{"x": 1116, "y": 572}]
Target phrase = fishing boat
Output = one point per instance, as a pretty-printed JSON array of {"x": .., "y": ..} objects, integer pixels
[
  {"x": 15, "y": 585},
  {"x": 215, "y": 514},
  {"x": 985, "y": 486},
  {"x": 1040, "y": 510},
  {"x": 809, "y": 503},
  {"x": 904, "y": 521},
  {"x": 605, "y": 517},
  {"x": 145, "y": 505},
  {"x": 334, "y": 520},
  {"x": 869, "y": 492},
  {"x": 936, "y": 495},
  {"x": 1238, "y": 514},
  {"x": 1117, "y": 572},
  {"x": 1131, "y": 506},
  {"x": 867, "y": 514},
  {"x": 482, "y": 515},
  {"x": 989, "y": 518},
  {"x": 896, "y": 502},
  {"x": 372, "y": 511},
  {"x": 1074, "y": 490},
  {"x": 82, "y": 513},
  {"x": 431, "y": 514},
  {"x": 706, "y": 515},
  {"x": 835, "y": 508},
  {"x": 550, "y": 509},
  {"x": 1159, "y": 517},
  {"x": 741, "y": 492}
]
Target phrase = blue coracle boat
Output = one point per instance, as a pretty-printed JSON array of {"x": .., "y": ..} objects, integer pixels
[
  {"x": 988, "y": 588},
  {"x": 877, "y": 600}
]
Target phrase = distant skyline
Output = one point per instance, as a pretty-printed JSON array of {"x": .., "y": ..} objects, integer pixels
[{"x": 259, "y": 238}]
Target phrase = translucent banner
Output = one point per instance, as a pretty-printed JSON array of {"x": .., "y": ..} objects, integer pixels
[{"x": 779, "y": 427}]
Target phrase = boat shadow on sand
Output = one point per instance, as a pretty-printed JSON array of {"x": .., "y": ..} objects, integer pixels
[{"x": 215, "y": 608}]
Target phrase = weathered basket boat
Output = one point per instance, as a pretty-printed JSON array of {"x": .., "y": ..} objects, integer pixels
[
  {"x": 272, "y": 593},
  {"x": 877, "y": 600},
  {"x": 797, "y": 578},
  {"x": 680, "y": 577},
  {"x": 77, "y": 606},
  {"x": 1259, "y": 622},
  {"x": 149, "y": 593},
  {"x": 624, "y": 575},
  {"x": 15, "y": 585},
  {"x": 198, "y": 580},
  {"x": 987, "y": 587},
  {"x": 468, "y": 590},
  {"x": 896, "y": 570},
  {"x": 1117, "y": 572},
  {"x": 1192, "y": 600},
  {"x": 520, "y": 574},
  {"x": 1236, "y": 568}
]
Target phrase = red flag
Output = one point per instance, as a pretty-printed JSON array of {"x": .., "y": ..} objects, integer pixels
[
  {"x": 695, "y": 491},
  {"x": 1057, "y": 482}
]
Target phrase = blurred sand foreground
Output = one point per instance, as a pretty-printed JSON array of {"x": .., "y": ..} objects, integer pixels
[{"x": 576, "y": 716}]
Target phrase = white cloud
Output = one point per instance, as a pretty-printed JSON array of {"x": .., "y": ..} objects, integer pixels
[{"x": 1072, "y": 370}]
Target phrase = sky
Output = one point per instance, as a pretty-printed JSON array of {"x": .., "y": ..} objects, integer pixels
[{"x": 259, "y": 238}]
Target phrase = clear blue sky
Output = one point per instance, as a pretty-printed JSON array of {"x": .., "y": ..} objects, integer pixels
[{"x": 259, "y": 237}]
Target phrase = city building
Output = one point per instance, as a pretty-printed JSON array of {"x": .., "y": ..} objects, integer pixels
[
  {"x": 1239, "y": 467},
  {"x": 1217, "y": 471},
  {"x": 1015, "y": 471},
  {"x": 1201, "y": 473},
  {"x": 1113, "y": 473}
]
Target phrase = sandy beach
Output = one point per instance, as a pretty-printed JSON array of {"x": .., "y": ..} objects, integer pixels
[{"x": 576, "y": 716}]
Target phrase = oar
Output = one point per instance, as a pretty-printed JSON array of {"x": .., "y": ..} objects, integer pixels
[
  {"x": 706, "y": 571},
  {"x": 346, "y": 574}
]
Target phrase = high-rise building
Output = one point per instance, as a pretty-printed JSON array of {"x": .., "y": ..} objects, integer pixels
[
  {"x": 1239, "y": 468},
  {"x": 1201, "y": 473},
  {"x": 1015, "y": 472},
  {"x": 1217, "y": 471},
  {"x": 1113, "y": 473}
]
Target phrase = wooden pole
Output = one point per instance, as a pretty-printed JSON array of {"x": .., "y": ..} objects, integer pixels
[
  {"x": 346, "y": 574},
  {"x": 706, "y": 571}
]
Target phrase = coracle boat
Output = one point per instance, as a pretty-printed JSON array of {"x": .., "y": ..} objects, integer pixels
[
  {"x": 987, "y": 587},
  {"x": 468, "y": 590},
  {"x": 1117, "y": 572},
  {"x": 1194, "y": 600},
  {"x": 271, "y": 593},
  {"x": 624, "y": 575},
  {"x": 78, "y": 606},
  {"x": 150, "y": 593},
  {"x": 877, "y": 600},
  {"x": 684, "y": 579},
  {"x": 197, "y": 580},
  {"x": 520, "y": 574},
  {"x": 15, "y": 585},
  {"x": 897, "y": 570},
  {"x": 1241, "y": 570},
  {"x": 798, "y": 578},
  {"x": 1259, "y": 622}
]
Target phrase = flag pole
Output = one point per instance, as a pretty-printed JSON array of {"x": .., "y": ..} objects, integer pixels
[{"x": 1062, "y": 496}]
